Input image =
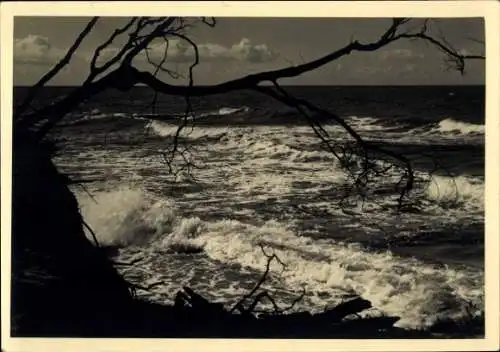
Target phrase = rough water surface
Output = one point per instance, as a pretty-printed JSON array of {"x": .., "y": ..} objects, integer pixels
[{"x": 261, "y": 178}]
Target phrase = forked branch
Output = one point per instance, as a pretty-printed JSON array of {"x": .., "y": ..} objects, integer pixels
[
  {"x": 55, "y": 70},
  {"x": 241, "y": 305},
  {"x": 143, "y": 31},
  {"x": 138, "y": 42}
]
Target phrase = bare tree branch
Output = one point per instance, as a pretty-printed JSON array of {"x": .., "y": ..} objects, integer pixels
[
  {"x": 365, "y": 147},
  {"x": 56, "y": 69},
  {"x": 149, "y": 29},
  {"x": 253, "y": 80},
  {"x": 94, "y": 237},
  {"x": 452, "y": 54},
  {"x": 240, "y": 305},
  {"x": 129, "y": 75},
  {"x": 94, "y": 69}
]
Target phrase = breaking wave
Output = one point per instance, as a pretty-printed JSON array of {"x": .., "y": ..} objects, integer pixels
[
  {"x": 396, "y": 129},
  {"x": 456, "y": 191},
  {"x": 227, "y": 111},
  {"x": 164, "y": 129},
  {"x": 446, "y": 128},
  {"x": 93, "y": 116},
  {"x": 452, "y": 126},
  {"x": 126, "y": 216},
  {"x": 367, "y": 126},
  {"x": 367, "y": 123},
  {"x": 421, "y": 294},
  {"x": 449, "y": 128}
]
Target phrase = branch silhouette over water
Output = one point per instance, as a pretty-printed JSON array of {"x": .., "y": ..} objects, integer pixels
[{"x": 82, "y": 293}]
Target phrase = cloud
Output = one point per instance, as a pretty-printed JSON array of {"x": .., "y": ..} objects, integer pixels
[
  {"x": 399, "y": 54},
  {"x": 409, "y": 67},
  {"x": 104, "y": 55},
  {"x": 35, "y": 49},
  {"x": 244, "y": 50},
  {"x": 464, "y": 51},
  {"x": 372, "y": 70}
]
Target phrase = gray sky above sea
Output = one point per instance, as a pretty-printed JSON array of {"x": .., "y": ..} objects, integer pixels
[{"x": 240, "y": 46}]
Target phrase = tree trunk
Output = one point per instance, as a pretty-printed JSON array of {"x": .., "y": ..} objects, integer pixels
[{"x": 61, "y": 283}]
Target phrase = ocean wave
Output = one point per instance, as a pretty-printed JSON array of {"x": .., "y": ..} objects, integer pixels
[
  {"x": 414, "y": 132},
  {"x": 126, "y": 216},
  {"x": 449, "y": 128},
  {"x": 419, "y": 293},
  {"x": 215, "y": 114},
  {"x": 94, "y": 116},
  {"x": 244, "y": 115},
  {"x": 450, "y": 125},
  {"x": 97, "y": 115},
  {"x": 268, "y": 146},
  {"x": 266, "y": 143},
  {"x": 457, "y": 191},
  {"x": 275, "y": 153},
  {"x": 414, "y": 126},
  {"x": 164, "y": 129},
  {"x": 378, "y": 128},
  {"x": 227, "y": 110},
  {"x": 367, "y": 123}
]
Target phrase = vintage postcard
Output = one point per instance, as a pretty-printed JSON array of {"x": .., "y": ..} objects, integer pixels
[{"x": 250, "y": 175}]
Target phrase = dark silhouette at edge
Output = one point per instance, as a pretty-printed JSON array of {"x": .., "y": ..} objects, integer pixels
[{"x": 65, "y": 286}]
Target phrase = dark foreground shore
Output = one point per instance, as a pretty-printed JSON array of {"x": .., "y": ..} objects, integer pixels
[{"x": 64, "y": 286}]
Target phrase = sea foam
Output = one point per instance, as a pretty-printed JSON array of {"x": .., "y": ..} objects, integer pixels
[
  {"x": 419, "y": 293},
  {"x": 456, "y": 191},
  {"x": 450, "y": 125}
]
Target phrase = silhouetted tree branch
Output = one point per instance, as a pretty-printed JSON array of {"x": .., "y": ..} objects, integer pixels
[
  {"x": 118, "y": 71},
  {"x": 55, "y": 70},
  {"x": 241, "y": 305},
  {"x": 142, "y": 32}
]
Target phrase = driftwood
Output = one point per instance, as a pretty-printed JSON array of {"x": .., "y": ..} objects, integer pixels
[
  {"x": 244, "y": 319},
  {"x": 327, "y": 323}
]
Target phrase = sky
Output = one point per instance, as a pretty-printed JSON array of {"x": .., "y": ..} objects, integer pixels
[{"x": 236, "y": 47}]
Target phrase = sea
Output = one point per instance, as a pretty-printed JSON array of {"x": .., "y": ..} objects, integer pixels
[{"x": 251, "y": 179}]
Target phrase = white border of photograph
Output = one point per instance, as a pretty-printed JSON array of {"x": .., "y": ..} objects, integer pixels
[{"x": 489, "y": 10}]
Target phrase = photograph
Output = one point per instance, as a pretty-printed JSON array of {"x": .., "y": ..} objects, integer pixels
[{"x": 243, "y": 177}]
